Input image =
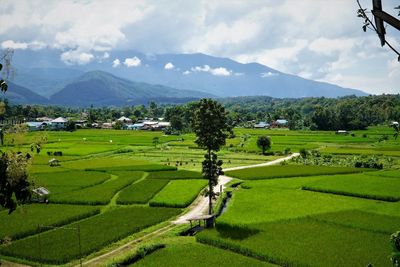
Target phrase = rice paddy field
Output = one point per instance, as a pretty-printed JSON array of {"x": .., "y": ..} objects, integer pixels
[{"x": 119, "y": 184}]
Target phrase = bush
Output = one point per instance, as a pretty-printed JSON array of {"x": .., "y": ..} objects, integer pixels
[{"x": 303, "y": 153}]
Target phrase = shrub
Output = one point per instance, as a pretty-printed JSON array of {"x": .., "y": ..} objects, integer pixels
[{"x": 303, "y": 153}]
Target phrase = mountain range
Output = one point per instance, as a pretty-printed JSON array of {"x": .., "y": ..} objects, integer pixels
[{"x": 130, "y": 77}]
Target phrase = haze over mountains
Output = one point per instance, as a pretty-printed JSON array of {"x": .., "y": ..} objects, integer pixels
[{"x": 130, "y": 77}]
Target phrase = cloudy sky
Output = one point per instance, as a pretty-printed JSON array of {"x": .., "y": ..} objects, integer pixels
[{"x": 316, "y": 39}]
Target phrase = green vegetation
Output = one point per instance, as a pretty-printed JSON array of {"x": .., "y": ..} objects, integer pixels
[
  {"x": 141, "y": 192},
  {"x": 358, "y": 185},
  {"x": 270, "y": 219},
  {"x": 61, "y": 245},
  {"x": 362, "y": 220},
  {"x": 185, "y": 252},
  {"x": 69, "y": 180},
  {"x": 289, "y": 243},
  {"x": 99, "y": 194},
  {"x": 174, "y": 175},
  {"x": 178, "y": 193},
  {"x": 270, "y": 172},
  {"x": 148, "y": 168},
  {"x": 26, "y": 219}
]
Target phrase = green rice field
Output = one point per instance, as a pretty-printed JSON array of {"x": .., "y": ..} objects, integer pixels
[{"x": 115, "y": 185}]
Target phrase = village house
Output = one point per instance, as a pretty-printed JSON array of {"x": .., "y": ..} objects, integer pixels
[{"x": 59, "y": 123}]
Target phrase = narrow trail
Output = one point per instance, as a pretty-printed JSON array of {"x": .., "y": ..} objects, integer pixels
[{"x": 199, "y": 207}]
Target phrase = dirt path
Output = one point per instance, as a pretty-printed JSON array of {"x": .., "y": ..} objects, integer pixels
[{"x": 200, "y": 206}]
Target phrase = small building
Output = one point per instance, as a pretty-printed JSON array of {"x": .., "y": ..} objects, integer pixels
[
  {"x": 107, "y": 125},
  {"x": 162, "y": 125},
  {"x": 36, "y": 125},
  {"x": 54, "y": 162},
  {"x": 136, "y": 126},
  {"x": 344, "y": 132},
  {"x": 124, "y": 119},
  {"x": 281, "y": 122},
  {"x": 262, "y": 125},
  {"x": 40, "y": 194},
  {"x": 394, "y": 123},
  {"x": 45, "y": 119},
  {"x": 58, "y": 123}
]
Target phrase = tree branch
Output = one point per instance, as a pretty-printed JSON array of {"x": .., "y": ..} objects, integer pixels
[{"x": 364, "y": 15}]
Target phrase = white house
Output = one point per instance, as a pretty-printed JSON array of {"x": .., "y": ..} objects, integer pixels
[
  {"x": 58, "y": 123},
  {"x": 124, "y": 119},
  {"x": 262, "y": 125}
]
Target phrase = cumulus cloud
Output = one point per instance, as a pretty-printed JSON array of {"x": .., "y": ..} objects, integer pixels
[
  {"x": 132, "y": 62},
  {"x": 34, "y": 45},
  {"x": 116, "y": 63},
  {"x": 106, "y": 55},
  {"x": 72, "y": 57},
  {"x": 186, "y": 72},
  {"x": 169, "y": 66},
  {"x": 268, "y": 74},
  {"x": 312, "y": 43},
  {"x": 220, "y": 71}
]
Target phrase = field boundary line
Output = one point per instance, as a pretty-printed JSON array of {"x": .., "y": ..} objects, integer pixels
[
  {"x": 273, "y": 162},
  {"x": 158, "y": 232}
]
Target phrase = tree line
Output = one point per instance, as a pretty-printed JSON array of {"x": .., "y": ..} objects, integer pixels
[{"x": 346, "y": 113}]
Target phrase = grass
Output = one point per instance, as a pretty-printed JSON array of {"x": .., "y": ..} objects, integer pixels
[
  {"x": 25, "y": 220},
  {"x": 282, "y": 199},
  {"x": 305, "y": 242},
  {"x": 99, "y": 194},
  {"x": 362, "y": 220},
  {"x": 175, "y": 175},
  {"x": 178, "y": 193},
  {"x": 185, "y": 252},
  {"x": 387, "y": 174},
  {"x": 69, "y": 180},
  {"x": 282, "y": 171},
  {"x": 359, "y": 185},
  {"x": 141, "y": 192},
  {"x": 147, "y": 168},
  {"x": 61, "y": 245}
]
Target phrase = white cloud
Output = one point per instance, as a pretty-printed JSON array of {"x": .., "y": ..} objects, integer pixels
[
  {"x": 132, "y": 62},
  {"x": 72, "y": 57},
  {"x": 329, "y": 46},
  {"x": 116, "y": 63},
  {"x": 186, "y": 72},
  {"x": 13, "y": 45},
  {"x": 106, "y": 55},
  {"x": 220, "y": 71},
  {"x": 304, "y": 38},
  {"x": 268, "y": 74},
  {"x": 169, "y": 66}
]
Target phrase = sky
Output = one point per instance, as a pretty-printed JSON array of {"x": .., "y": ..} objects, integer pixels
[{"x": 315, "y": 39}]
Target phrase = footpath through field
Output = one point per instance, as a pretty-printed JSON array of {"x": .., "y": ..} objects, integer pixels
[{"x": 200, "y": 206}]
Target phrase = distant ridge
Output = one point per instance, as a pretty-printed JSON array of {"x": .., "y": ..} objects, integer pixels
[
  {"x": 100, "y": 88},
  {"x": 221, "y": 77},
  {"x": 20, "y": 95}
]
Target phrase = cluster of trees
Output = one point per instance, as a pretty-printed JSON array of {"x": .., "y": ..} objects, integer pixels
[{"x": 347, "y": 113}]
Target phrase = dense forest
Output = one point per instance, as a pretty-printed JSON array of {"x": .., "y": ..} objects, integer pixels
[{"x": 347, "y": 113}]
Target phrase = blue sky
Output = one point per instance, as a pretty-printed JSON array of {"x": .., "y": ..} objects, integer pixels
[{"x": 316, "y": 39}]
